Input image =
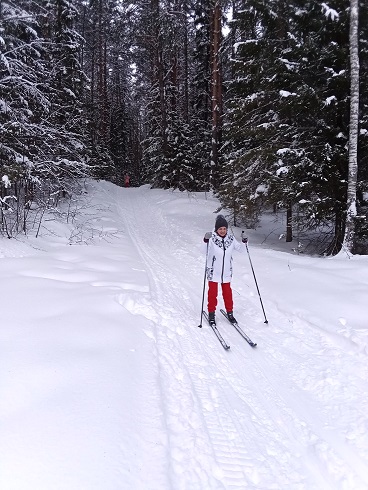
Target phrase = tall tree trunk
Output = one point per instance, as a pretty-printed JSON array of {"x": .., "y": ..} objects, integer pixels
[
  {"x": 174, "y": 79},
  {"x": 335, "y": 245},
  {"x": 186, "y": 68},
  {"x": 159, "y": 69},
  {"x": 216, "y": 89},
  {"x": 83, "y": 42},
  {"x": 353, "y": 128},
  {"x": 289, "y": 223},
  {"x": 102, "y": 73}
]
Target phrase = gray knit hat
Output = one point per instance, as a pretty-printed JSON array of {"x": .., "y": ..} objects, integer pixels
[{"x": 220, "y": 221}]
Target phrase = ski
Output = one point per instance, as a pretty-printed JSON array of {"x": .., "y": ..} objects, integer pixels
[
  {"x": 217, "y": 333},
  {"x": 242, "y": 333}
]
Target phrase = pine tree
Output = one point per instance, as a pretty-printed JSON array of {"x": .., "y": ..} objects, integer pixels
[
  {"x": 96, "y": 64},
  {"x": 260, "y": 100},
  {"x": 201, "y": 90},
  {"x": 168, "y": 120},
  {"x": 288, "y": 113},
  {"x": 124, "y": 126},
  {"x": 67, "y": 82},
  {"x": 39, "y": 152},
  {"x": 21, "y": 84}
]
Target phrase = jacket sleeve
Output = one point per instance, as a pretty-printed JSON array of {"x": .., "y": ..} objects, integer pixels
[{"x": 239, "y": 246}]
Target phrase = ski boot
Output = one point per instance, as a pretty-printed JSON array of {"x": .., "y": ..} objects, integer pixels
[
  {"x": 231, "y": 318},
  {"x": 211, "y": 318}
]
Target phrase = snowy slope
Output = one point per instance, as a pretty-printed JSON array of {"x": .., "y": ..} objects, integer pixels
[{"x": 107, "y": 383}]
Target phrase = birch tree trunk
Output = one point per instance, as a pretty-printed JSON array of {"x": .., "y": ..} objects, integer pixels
[{"x": 353, "y": 127}]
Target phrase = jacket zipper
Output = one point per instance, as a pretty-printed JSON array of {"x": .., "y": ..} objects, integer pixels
[{"x": 223, "y": 262}]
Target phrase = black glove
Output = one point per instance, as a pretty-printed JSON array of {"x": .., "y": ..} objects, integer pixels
[
  {"x": 244, "y": 238},
  {"x": 207, "y": 237}
]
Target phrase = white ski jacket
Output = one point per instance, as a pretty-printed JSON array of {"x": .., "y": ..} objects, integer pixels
[{"x": 219, "y": 266}]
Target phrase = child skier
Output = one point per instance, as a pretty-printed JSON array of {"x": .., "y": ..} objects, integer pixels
[{"x": 219, "y": 269}]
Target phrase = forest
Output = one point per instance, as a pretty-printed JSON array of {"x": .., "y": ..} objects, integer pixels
[{"x": 262, "y": 102}]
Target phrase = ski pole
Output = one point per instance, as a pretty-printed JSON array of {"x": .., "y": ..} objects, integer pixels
[
  {"x": 245, "y": 240},
  {"x": 204, "y": 285}
]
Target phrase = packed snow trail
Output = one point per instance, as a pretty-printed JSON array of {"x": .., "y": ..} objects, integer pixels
[
  {"x": 107, "y": 383},
  {"x": 239, "y": 419}
]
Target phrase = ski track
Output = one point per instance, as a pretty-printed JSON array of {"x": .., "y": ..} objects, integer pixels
[{"x": 230, "y": 408}]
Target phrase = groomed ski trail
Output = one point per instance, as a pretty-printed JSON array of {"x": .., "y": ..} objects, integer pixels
[{"x": 224, "y": 411}]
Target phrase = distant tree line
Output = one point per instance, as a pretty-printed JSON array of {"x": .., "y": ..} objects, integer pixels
[{"x": 248, "y": 98}]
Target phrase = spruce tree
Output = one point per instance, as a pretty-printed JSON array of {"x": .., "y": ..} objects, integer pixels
[{"x": 286, "y": 131}]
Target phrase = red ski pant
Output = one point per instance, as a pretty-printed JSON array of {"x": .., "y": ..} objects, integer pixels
[{"x": 227, "y": 294}]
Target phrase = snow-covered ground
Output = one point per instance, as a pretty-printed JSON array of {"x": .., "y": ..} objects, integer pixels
[{"x": 107, "y": 383}]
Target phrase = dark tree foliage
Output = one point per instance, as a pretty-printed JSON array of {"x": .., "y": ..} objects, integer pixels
[
  {"x": 201, "y": 86},
  {"x": 287, "y": 124},
  {"x": 249, "y": 98},
  {"x": 36, "y": 143},
  {"x": 23, "y": 100},
  {"x": 175, "y": 132},
  {"x": 124, "y": 135}
]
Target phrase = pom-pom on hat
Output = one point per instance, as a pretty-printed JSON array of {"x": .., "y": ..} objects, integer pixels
[{"x": 220, "y": 221}]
